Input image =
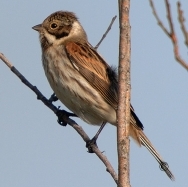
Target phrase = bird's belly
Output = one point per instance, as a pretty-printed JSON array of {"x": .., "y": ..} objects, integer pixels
[
  {"x": 78, "y": 95},
  {"x": 85, "y": 102}
]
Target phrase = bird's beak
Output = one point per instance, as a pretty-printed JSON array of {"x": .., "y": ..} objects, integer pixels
[{"x": 37, "y": 27}]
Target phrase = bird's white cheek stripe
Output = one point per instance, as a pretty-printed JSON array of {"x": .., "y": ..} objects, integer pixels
[{"x": 51, "y": 38}]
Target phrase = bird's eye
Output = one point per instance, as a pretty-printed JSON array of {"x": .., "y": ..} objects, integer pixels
[{"x": 53, "y": 25}]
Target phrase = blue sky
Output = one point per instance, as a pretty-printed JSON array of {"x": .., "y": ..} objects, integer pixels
[{"x": 36, "y": 151}]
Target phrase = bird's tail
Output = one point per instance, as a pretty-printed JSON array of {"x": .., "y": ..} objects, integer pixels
[
  {"x": 136, "y": 132},
  {"x": 163, "y": 165}
]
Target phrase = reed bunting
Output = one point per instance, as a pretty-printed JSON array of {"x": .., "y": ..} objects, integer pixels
[{"x": 81, "y": 79}]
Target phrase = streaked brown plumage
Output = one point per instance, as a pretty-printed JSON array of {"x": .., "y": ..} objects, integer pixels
[{"x": 80, "y": 77}]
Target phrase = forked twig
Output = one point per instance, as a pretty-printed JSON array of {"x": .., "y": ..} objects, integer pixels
[
  {"x": 171, "y": 34},
  {"x": 158, "y": 19}
]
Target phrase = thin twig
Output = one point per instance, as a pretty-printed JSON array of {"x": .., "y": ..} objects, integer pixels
[
  {"x": 69, "y": 121},
  {"x": 182, "y": 20},
  {"x": 171, "y": 34},
  {"x": 158, "y": 19},
  {"x": 169, "y": 18},
  {"x": 108, "y": 29}
]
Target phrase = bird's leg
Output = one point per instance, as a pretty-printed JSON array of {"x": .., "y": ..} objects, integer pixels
[
  {"x": 63, "y": 115},
  {"x": 53, "y": 98},
  {"x": 94, "y": 139}
]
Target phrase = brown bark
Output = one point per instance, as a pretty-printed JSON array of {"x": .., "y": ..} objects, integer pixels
[{"x": 123, "y": 112}]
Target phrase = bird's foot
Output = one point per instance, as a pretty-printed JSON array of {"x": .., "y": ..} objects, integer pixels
[
  {"x": 53, "y": 98},
  {"x": 90, "y": 143},
  {"x": 63, "y": 116}
]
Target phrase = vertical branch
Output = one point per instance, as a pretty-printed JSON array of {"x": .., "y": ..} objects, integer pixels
[{"x": 123, "y": 112}]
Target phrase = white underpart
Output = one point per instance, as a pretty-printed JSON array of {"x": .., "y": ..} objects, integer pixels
[{"x": 74, "y": 91}]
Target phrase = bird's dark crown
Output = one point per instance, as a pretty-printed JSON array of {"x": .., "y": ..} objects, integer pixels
[{"x": 62, "y": 16}]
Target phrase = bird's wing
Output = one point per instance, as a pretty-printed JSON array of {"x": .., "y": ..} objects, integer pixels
[
  {"x": 93, "y": 68},
  {"x": 98, "y": 73}
]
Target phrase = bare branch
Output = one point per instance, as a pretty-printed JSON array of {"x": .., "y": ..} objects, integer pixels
[
  {"x": 171, "y": 34},
  {"x": 182, "y": 20},
  {"x": 158, "y": 19},
  {"x": 123, "y": 112},
  {"x": 108, "y": 29},
  {"x": 69, "y": 121},
  {"x": 169, "y": 18}
]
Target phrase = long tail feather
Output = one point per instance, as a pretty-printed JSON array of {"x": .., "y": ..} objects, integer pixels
[
  {"x": 136, "y": 132},
  {"x": 163, "y": 165}
]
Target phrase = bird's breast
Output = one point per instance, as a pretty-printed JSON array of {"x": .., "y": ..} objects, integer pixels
[{"x": 73, "y": 90}]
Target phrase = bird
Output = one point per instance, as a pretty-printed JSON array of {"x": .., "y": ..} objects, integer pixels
[{"x": 82, "y": 80}]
